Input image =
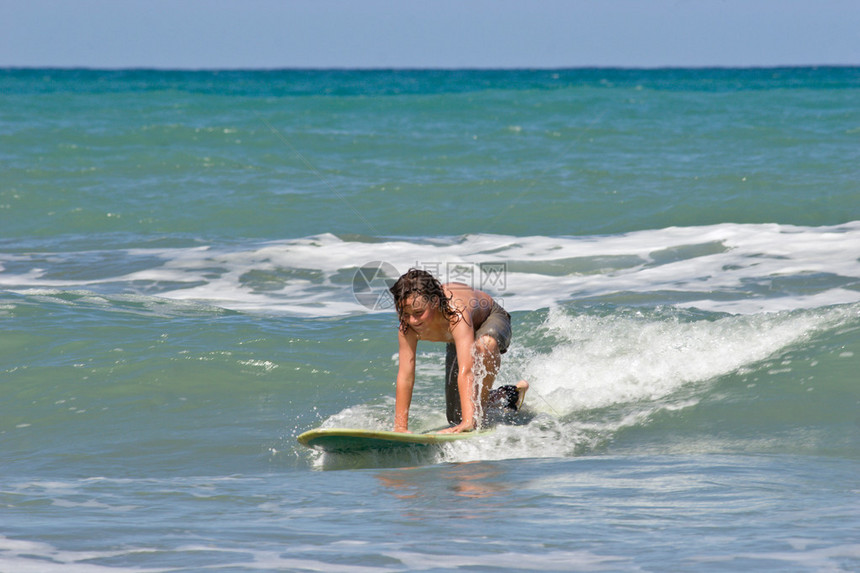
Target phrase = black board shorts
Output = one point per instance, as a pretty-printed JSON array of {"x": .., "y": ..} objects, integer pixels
[{"x": 497, "y": 325}]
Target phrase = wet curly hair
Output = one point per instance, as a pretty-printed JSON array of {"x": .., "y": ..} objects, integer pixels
[{"x": 420, "y": 283}]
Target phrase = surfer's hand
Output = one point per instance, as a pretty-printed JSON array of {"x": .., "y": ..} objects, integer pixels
[{"x": 459, "y": 428}]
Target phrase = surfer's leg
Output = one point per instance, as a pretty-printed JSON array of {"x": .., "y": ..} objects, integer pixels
[
  {"x": 491, "y": 341},
  {"x": 490, "y": 358},
  {"x": 452, "y": 393}
]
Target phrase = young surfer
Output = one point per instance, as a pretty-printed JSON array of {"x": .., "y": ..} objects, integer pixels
[{"x": 477, "y": 331}]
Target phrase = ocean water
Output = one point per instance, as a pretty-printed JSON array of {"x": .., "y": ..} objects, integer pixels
[{"x": 190, "y": 277}]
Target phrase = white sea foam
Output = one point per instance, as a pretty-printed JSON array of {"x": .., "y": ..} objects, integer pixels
[
  {"x": 726, "y": 268},
  {"x": 600, "y": 361},
  {"x": 24, "y": 556},
  {"x": 28, "y": 556}
]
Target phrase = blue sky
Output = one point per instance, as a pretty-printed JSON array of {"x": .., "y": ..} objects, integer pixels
[{"x": 428, "y": 33}]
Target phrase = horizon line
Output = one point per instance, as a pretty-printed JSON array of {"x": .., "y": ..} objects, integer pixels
[{"x": 421, "y": 68}]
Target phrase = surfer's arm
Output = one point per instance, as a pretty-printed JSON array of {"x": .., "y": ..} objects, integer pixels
[{"x": 407, "y": 345}]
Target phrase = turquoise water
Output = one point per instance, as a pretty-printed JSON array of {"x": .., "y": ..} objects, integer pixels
[{"x": 680, "y": 251}]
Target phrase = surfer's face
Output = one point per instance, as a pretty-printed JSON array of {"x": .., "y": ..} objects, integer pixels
[{"x": 418, "y": 312}]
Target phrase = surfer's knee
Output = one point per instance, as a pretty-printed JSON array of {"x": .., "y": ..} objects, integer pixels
[{"x": 486, "y": 345}]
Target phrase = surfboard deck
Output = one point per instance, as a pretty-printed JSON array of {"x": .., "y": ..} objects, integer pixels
[{"x": 356, "y": 440}]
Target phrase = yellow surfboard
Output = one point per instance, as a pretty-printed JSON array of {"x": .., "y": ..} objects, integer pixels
[{"x": 356, "y": 440}]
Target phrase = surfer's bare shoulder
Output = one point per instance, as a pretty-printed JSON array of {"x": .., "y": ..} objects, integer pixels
[{"x": 473, "y": 304}]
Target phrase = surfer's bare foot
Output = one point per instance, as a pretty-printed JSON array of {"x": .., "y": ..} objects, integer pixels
[{"x": 522, "y": 386}]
